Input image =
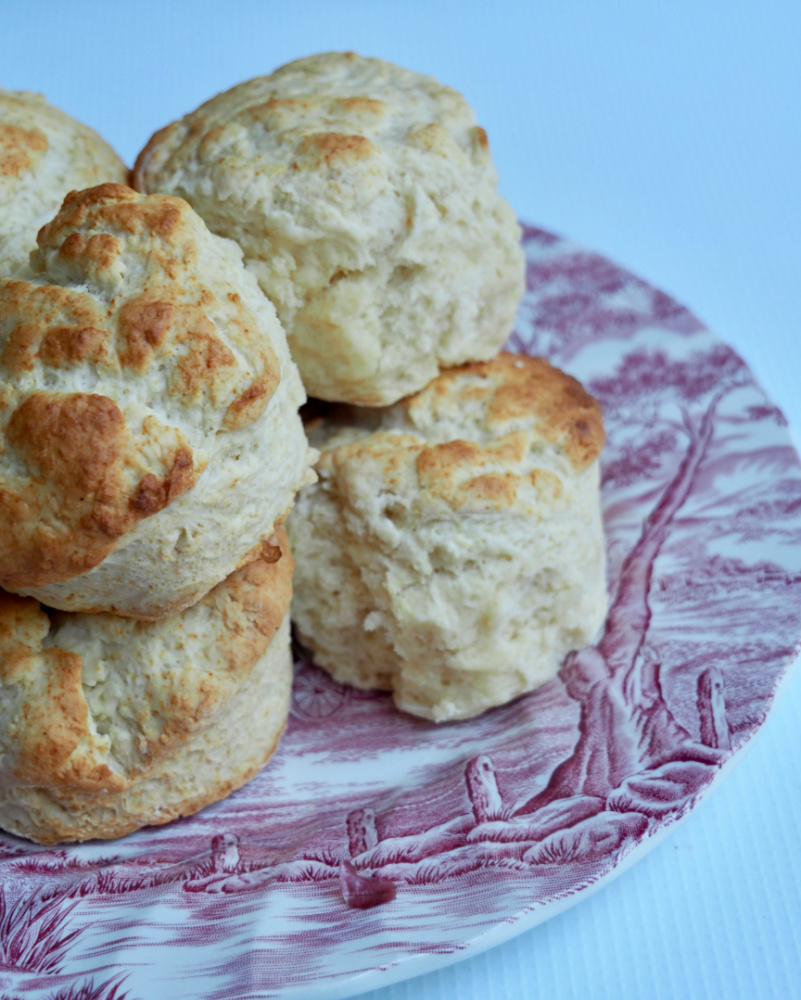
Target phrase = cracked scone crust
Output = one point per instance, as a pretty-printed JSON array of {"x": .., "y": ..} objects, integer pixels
[
  {"x": 452, "y": 548},
  {"x": 44, "y": 154},
  {"x": 365, "y": 200},
  {"x": 109, "y": 724},
  {"x": 149, "y": 433}
]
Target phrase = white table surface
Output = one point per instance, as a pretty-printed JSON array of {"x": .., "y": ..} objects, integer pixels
[{"x": 665, "y": 135}]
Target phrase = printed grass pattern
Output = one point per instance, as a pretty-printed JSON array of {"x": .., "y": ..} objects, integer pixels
[{"x": 35, "y": 934}]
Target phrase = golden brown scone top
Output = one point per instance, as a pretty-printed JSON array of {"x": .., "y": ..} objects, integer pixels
[
  {"x": 120, "y": 362},
  {"x": 512, "y": 388},
  {"x": 494, "y": 435}
]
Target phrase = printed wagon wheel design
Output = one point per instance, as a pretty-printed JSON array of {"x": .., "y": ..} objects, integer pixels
[{"x": 316, "y": 696}]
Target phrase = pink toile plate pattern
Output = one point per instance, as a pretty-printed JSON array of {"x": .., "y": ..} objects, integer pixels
[{"x": 481, "y": 829}]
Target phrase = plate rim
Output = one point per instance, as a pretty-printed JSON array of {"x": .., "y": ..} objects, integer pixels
[{"x": 409, "y": 965}]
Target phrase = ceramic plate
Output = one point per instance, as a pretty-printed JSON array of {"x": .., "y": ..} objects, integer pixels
[{"x": 488, "y": 827}]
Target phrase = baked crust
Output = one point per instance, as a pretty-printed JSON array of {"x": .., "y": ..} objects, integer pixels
[{"x": 504, "y": 407}]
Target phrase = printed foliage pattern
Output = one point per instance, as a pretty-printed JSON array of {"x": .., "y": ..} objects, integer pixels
[{"x": 372, "y": 837}]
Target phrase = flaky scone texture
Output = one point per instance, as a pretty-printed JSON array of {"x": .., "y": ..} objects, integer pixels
[
  {"x": 365, "y": 200},
  {"x": 44, "y": 154},
  {"x": 109, "y": 724},
  {"x": 149, "y": 431},
  {"x": 452, "y": 548}
]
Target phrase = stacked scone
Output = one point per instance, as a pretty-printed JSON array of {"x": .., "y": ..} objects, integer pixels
[
  {"x": 150, "y": 450},
  {"x": 451, "y": 550}
]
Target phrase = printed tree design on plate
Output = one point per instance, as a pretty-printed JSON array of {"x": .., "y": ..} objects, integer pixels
[{"x": 626, "y": 728}]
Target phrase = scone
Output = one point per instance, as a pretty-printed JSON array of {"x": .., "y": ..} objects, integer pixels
[
  {"x": 452, "y": 548},
  {"x": 44, "y": 154},
  {"x": 108, "y": 724},
  {"x": 150, "y": 440},
  {"x": 365, "y": 200}
]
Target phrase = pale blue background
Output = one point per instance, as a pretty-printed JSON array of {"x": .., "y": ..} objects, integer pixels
[{"x": 667, "y": 135}]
